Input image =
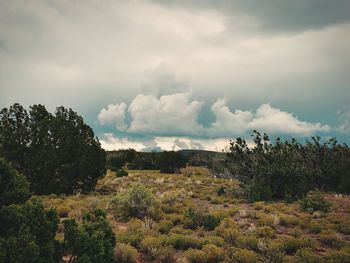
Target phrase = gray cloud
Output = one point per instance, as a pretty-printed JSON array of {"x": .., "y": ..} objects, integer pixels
[
  {"x": 90, "y": 54},
  {"x": 274, "y": 15}
]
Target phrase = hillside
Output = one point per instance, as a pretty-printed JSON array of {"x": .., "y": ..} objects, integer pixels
[{"x": 195, "y": 217}]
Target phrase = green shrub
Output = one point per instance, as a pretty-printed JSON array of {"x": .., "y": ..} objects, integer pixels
[
  {"x": 184, "y": 242},
  {"x": 164, "y": 226},
  {"x": 290, "y": 245},
  {"x": 152, "y": 246},
  {"x": 121, "y": 172},
  {"x": 213, "y": 253},
  {"x": 195, "y": 256},
  {"x": 241, "y": 256},
  {"x": 265, "y": 232},
  {"x": 137, "y": 201},
  {"x": 93, "y": 240},
  {"x": 315, "y": 202},
  {"x": 197, "y": 219},
  {"x": 125, "y": 253}
]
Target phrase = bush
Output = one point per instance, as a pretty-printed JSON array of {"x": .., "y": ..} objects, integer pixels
[
  {"x": 184, "y": 242},
  {"x": 291, "y": 245},
  {"x": 331, "y": 238},
  {"x": 198, "y": 219},
  {"x": 195, "y": 255},
  {"x": 306, "y": 256},
  {"x": 27, "y": 233},
  {"x": 288, "y": 169},
  {"x": 121, "y": 172},
  {"x": 137, "y": 201},
  {"x": 213, "y": 253},
  {"x": 315, "y": 202},
  {"x": 125, "y": 253},
  {"x": 241, "y": 256},
  {"x": 91, "y": 241}
]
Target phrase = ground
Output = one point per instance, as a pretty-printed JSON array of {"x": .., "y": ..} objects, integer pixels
[{"x": 249, "y": 232}]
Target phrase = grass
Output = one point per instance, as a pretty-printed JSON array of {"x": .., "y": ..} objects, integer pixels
[{"x": 246, "y": 232}]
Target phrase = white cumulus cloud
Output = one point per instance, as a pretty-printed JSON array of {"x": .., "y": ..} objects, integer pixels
[
  {"x": 114, "y": 114},
  {"x": 266, "y": 118},
  {"x": 166, "y": 115}
]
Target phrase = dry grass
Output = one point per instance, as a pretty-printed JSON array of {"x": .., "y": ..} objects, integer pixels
[{"x": 260, "y": 230}]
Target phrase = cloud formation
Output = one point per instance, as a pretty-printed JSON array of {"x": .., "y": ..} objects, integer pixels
[
  {"x": 177, "y": 114},
  {"x": 174, "y": 114},
  {"x": 113, "y": 114}
]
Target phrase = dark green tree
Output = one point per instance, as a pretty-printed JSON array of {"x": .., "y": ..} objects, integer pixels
[
  {"x": 91, "y": 241},
  {"x": 288, "y": 170},
  {"x": 27, "y": 230},
  {"x": 57, "y": 153},
  {"x": 14, "y": 189},
  {"x": 170, "y": 162}
]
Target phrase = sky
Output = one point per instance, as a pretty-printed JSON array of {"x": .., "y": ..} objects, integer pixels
[{"x": 170, "y": 75}]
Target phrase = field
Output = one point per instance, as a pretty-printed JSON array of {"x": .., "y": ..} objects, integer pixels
[{"x": 198, "y": 218}]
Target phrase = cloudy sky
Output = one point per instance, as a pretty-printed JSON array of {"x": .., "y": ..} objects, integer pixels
[{"x": 182, "y": 74}]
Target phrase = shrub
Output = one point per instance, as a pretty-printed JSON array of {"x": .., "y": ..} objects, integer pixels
[
  {"x": 288, "y": 169},
  {"x": 195, "y": 255},
  {"x": 27, "y": 233},
  {"x": 152, "y": 246},
  {"x": 291, "y": 245},
  {"x": 125, "y": 253},
  {"x": 265, "y": 231},
  {"x": 121, "y": 172},
  {"x": 241, "y": 256},
  {"x": 197, "y": 219},
  {"x": 91, "y": 241},
  {"x": 315, "y": 202},
  {"x": 184, "y": 242},
  {"x": 340, "y": 256},
  {"x": 134, "y": 234},
  {"x": 305, "y": 255},
  {"x": 166, "y": 254},
  {"x": 213, "y": 253},
  {"x": 164, "y": 226},
  {"x": 331, "y": 238},
  {"x": 137, "y": 201}
]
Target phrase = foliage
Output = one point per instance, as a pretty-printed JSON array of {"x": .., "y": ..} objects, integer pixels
[
  {"x": 117, "y": 159},
  {"x": 27, "y": 233},
  {"x": 170, "y": 162},
  {"x": 91, "y": 241},
  {"x": 315, "y": 202},
  {"x": 137, "y": 201},
  {"x": 287, "y": 170},
  {"x": 57, "y": 153},
  {"x": 125, "y": 253},
  {"x": 121, "y": 173},
  {"x": 241, "y": 256},
  {"x": 198, "y": 219},
  {"x": 14, "y": 189},
  {"x": 27, "y": 230}
]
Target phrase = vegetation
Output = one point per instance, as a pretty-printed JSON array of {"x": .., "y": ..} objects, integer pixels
[
  {"x": 27, "y": 230},
  {"x": 57, "y": 153},
  {"x": 91, "y": 241},
  {"x": 288, "y": 170},
  {"x": 235, "y": 211}
]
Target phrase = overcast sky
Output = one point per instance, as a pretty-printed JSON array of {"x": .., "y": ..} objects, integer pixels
[{"x": 182, "y": 74}]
